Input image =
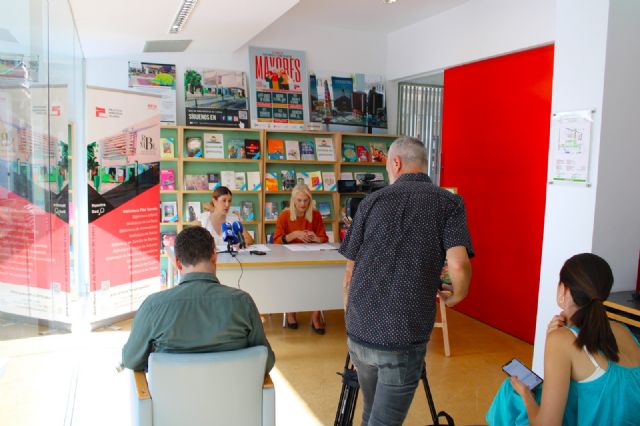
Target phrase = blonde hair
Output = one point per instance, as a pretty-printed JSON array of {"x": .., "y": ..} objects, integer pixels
[{"x": 304, "y": 189}]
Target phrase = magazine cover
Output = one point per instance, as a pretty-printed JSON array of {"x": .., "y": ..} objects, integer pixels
[
  {"x": 329, "y": 181},
  {"x": 241, "y": 181},
  {"x": 252, "y": 149},
  {"x": 194, "y": 147},
  {"x": 349, "y": 153},
  {"x": 236, "y": 211},
  {"x": 216, "y": 98},
  {"x": 167, "y": 239},
  {"x": 363, "y": 154},
  {"x": 275, "y": 149},
  {"x": 253, "y": 181},
  {"x": 169, "y": 211},
  {"x": 307, "y": 151},
  {"x": 324, "y": 207},
  {"x": 378, "y": 152},
  {"x": 348, "y": 99},
  {"x": 316, "y": 181},
  {"x": 193, "y": 211},
  {"x": 195, "y": 183},
  {"x": 167, "y": 180},
  {"x": 213, "y": 145},
  {"x": 303, "y": 177},
  {"x": 246, "y": 211},
  {"x": 271, "y": 181},
  {"x": 324, "y": 148},
  {"x": 279, "y": 88},
  {"x": 213, "y": 180},
  {"x": 167, "y": 147},
  {"x": 293, "y": 150},
  {"x": 228, "y": 179},
  {"x": 235, "y": 149},
  {"x": 270, "y": 210},
  {"x": 288, "y": 179}
]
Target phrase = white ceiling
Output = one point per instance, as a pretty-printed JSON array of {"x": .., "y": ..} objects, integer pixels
[{"x": 121, "y": 27}]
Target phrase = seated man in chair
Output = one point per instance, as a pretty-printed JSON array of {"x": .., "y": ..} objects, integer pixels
[{"x": 199, "y": 315}]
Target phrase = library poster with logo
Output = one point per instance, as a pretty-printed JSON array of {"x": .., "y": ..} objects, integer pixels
[
  {"x": 216, "y": 98},
  {"x": 123, "y": 162},
  {"x": 279, "y": 88},
  {"x": 34, "y": 218}
]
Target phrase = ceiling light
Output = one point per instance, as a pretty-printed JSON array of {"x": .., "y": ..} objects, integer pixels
[
  {"x": 183, "y": 15},
  {"x": 389, "y": 1}
]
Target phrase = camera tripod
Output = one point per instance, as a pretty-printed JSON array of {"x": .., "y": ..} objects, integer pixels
[{"x": 349, "y": 397}]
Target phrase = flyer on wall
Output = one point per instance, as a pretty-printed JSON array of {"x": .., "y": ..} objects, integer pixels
[
  {"x": 279, "y": 88},
  {"x": 348, "y": 99},
  {"x": 216, "y": 98},
  {"x": 123, "y": 171},
  {"x": 156, "y": 79},
  {"x": 34, "y": 219},
  {"x": 571, "y": 146}
]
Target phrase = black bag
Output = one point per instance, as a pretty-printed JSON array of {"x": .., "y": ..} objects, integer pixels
[{"x": 349, "y": 397}]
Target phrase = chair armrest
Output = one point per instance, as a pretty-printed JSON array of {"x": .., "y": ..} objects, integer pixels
[
  {"x": 141, "y": 402},
  {"x": 268, "y": 402}
]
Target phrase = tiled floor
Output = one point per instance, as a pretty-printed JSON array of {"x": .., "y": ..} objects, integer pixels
[{"x": 72, "y": 380}]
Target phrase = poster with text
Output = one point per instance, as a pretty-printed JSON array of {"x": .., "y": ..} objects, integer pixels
[
  {"x": 216, "y": 98},
  {"x": 123, "y": 169},
  {"x": 348, "y": 99},
  {"x": 279, "y": 88},
  {"x": 156, "y": 79},
  {"x": 34, "y": 219}
]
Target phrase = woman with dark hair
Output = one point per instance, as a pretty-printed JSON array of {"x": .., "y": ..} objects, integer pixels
[
  {"x": 591, "y": 365},
  {"x": 217, "y": 212}
]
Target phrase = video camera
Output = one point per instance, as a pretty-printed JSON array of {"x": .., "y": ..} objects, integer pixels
[{"x": 365, "y": 184}]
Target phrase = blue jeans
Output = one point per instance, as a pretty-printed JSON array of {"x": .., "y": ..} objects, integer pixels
[{"x": 388, "y": 380}]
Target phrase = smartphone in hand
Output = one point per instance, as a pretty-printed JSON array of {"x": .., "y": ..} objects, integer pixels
[{"x": 523, "y": 373}]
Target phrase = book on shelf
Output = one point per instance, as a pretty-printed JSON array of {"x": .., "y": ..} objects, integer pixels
[
  {"x": 292, "y": 149},
  {"x": 228, "y": 179},
  {"x": 329, "y": 181},
  {"x": 235, "y": 149},
  {"x": 246, "y": 211},
  {"x": 349, "y": 153},
  {"x": 213, "y": 180},
  {"x": 346, "y": 176},
  {"x": 315, "y": 179},
  {"x": 253, "y": 181},
  {"x": 270, "y": 210},
  {"x": 303, "y": 177},
  {"x": 241, "y": 181},
  {"x": 271, "y": 181},
  {"x": 213, "y": 145},
  {"x": 169, "y": 210},
  {"x": 192, "y": 213},
  {"x": 167, "y": 180},
  {"x": 275, "y": 149},
  {"x": 167, "y": 239},
  {"x": 324, "y": 149},
  {"x": 363, "y": 154},
  {"x": 194, "y": 147},
  {"x": 168, "y": 147},
  {"x": 252, "y": 149},
  {"x": 324, "y": 207},
  {"x": 196, "y": 182},
  {"x": 284, "y": 204},
  {"x": 378, "y": 152},
  {"x": 307, "y": 151},
  {"x": 287, "y": 179},
  {"x": 236, "y": 211}
]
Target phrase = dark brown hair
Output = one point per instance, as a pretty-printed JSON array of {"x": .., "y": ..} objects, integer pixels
[
  {"x": 217, "y": 193},
  {"x": 194, "y": 245},
  {"x": 589, "y": 279}
]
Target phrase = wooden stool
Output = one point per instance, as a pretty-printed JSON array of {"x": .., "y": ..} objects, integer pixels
[{"x": 443, "y": 325}]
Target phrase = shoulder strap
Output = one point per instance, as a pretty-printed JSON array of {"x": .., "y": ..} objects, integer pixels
[{"x": 591, "y": 358}]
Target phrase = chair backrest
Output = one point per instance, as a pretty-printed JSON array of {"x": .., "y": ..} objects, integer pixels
[{"x": 222, "y": 388}]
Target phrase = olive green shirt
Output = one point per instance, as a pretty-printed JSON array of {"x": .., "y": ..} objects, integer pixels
[{"x": 198, "y": 315}]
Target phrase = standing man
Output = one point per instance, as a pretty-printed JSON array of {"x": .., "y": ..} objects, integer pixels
[
  {"x": 198, "y": 315},
  {"x": 396, "y": 247}
]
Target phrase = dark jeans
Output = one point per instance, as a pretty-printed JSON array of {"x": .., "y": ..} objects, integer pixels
[{"x": 388, "y": 380}]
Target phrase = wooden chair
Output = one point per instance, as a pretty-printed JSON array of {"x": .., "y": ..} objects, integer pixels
[{"x": 444, "y": 326}]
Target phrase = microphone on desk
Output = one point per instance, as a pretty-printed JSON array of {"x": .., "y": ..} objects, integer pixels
[
  {"x": 237, "y": 229},
  {"x": 229, "y": 236}
]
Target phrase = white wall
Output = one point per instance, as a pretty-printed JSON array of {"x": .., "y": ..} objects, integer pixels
[
  {"x": 327, "y": 49},
  {"x": 595, "y": 67}
]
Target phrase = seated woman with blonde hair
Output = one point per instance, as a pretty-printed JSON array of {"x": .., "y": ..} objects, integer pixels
[
  {"x": 301, "y": 223},
  {"x": 591, "y": 364}
]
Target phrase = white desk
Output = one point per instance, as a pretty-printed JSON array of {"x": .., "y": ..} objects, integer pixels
[{"x": 287, "y": 281}]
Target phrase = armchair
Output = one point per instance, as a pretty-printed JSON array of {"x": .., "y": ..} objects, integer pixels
[{"x": 221, "y": 388}]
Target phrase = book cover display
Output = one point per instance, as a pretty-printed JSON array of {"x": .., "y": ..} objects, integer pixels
[
  {"x": 167, "y": 147},
  {"x": 270, "y": 210},
  {"x": 279, "y": 88},
  {"x": 213, "y": 180},
  {"x": 167, "y": 180},
  {"x": 196, "y": 182},
  {"x": 324, "y": 149},
  {"x": 287, "y": 179},
  {"x": 194, "y": 147},
  {"x": 228, "y": 179},
  {"x": 378, "y": 152},
  {"x": 324, "y": 207},
  {"x": 192, "y": 212},
  {"x": 169, "y": 211},
  {"x": 348, "y": 99},
  {"x": 213, "y": 145},
  {"x": 241, "y": 181},
  {"x": 252, "y": 149},
  {"x": 303, "y": 177},
  {"x": 315, "y": 179},
  {"x": 329, "y": 181},
  {"x": 363, "y": 154},
  {"x": 275, "y": 149},
  {"x": 253, "y": 181},
  {"x": 349, "y": 154},
  {"x": 307, "y": 151},
  {"x": 216, "y": 98},
  {"x": 271, "y": 181},
  {"x": 246, "y": 211},
  {"x": 167, "y": 239},
  {"x": 293, "y": 150},
  {"x": 235, "y": 149},
  {"x": 236, "y": 211}
]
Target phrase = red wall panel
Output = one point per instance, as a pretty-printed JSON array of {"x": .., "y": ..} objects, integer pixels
[{"x": 495, "y": 142}]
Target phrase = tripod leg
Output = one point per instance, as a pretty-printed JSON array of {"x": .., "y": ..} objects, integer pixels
[{"x": 427, "y": 390}]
